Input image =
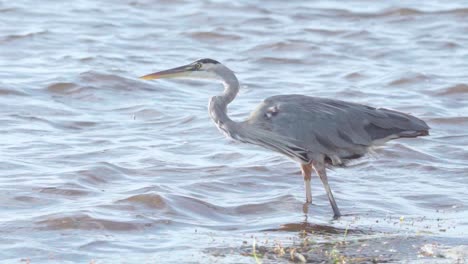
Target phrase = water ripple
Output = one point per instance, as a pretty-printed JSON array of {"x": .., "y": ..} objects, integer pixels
[{"x": 100, "y": 166}]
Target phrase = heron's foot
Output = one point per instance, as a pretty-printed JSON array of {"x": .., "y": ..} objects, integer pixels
[
  {"x": 336, "y": 216},
  {"x": 305, "y": 208},
  {"x": 336, "y": 211}
]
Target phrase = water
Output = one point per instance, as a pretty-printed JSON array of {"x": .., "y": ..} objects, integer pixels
[{"x": 98, "y": 166}]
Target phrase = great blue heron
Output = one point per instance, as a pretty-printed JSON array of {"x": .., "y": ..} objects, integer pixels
[{"x": 316, "y": 132}]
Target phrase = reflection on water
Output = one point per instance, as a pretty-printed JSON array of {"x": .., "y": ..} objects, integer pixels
[
  {"x": 317, "y": 229},
  {"x": 98, "y": 165}
]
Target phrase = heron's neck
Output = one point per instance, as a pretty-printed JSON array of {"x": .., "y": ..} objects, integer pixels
[{"x": 218, "y": 104}]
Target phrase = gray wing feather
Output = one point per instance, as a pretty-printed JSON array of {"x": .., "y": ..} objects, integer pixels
[
  {"x": 332, "y": 128},
  {"x": 267, "y": 139}
]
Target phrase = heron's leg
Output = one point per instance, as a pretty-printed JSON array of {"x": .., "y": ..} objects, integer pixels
[
  {"x": 307, "y": 172},
  {"x": 321, "y": 172}
]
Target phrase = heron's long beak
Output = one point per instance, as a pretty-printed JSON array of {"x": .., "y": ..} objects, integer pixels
[{"x": 171, "y": 73}]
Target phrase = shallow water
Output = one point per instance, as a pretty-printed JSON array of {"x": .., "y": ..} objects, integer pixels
[{"x": 100, "y": 166}]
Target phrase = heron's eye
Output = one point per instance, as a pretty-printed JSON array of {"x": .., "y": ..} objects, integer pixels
[{"x": 198, "y": 66}]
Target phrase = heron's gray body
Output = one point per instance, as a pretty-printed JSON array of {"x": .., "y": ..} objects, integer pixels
[
  {"x": 330, "y": 129},
  {"x": 311, "y": 130}
]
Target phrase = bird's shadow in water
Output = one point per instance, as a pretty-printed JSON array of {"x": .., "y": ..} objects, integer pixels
[
  {"x": 305, "y": 210},
  {"x": 309, "y": 227}
]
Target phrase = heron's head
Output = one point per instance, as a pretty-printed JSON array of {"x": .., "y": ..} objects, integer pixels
[{"x": 200, "y": 69}]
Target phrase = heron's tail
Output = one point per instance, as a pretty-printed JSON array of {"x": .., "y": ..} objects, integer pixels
[{"x": 396, "y": 125}]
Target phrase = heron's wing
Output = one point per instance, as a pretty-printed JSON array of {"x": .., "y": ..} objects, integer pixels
[
  {"x": 332, "y": 128},
  {"x": 269, "y": 140}
]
